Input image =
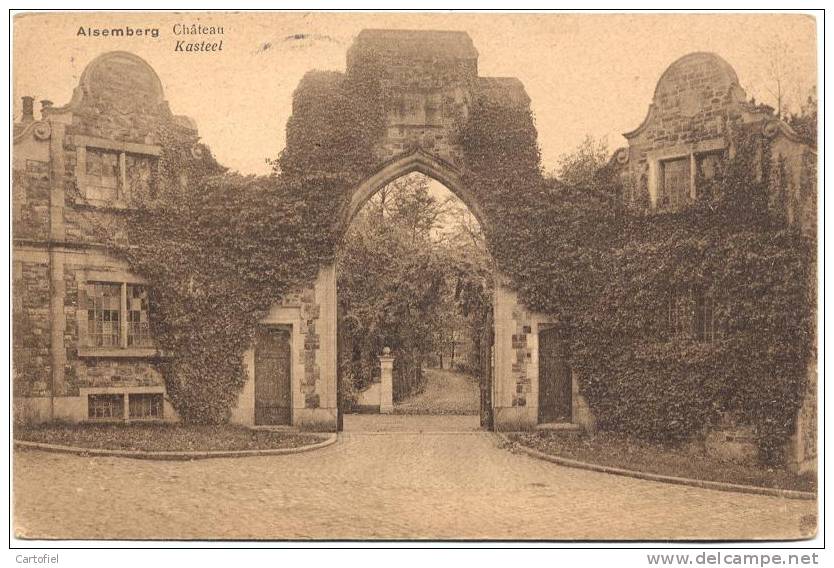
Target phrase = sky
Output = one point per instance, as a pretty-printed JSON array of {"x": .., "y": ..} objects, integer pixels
[{"x": 587, "y": 74}]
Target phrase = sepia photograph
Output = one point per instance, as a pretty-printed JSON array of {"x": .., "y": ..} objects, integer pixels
[{"x": 308, "y": 277}]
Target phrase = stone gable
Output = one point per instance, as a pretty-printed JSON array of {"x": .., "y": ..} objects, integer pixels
[{"x": 429, "y": 80}]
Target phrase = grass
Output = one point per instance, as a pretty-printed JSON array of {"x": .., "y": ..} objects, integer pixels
[
  {"x": 616, "y": 450},
  {"x": 163, "y": 437}
]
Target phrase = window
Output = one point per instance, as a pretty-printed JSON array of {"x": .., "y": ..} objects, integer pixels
[
  {"x": 138, "y": 325},
  {"x": 145, "y": 406},
  {"x": 705, "y": 329},
  {"x": 103, "y": 314},
  {"x": 710, "y": 165},
  {"x": 676, "y": 182},
  {"x": 691, "y": 313},
  {"x": 105, "y": 406},
  {"x": 112, "y": 171},
  {"x": 677, "y": 314},
  {"x": 117, "y": 315},
  {"x": 139, "y": 178},
  {"x": 102, "y": 174},
  {"x": 111, "y": 406}
]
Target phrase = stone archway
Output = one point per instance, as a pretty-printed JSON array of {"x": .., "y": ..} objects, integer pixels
[
  {"x": 418, "y": 161},
  {"x": 431, "y": 80},
  {"x": 436, "y": 169}
]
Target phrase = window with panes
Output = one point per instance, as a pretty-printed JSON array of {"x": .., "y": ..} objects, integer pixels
[
  {"x": 103, "y": 173},
  {"x": 104, "y": 313},
  {"x": 114, "y": 175},
  {"x": 118, "y": 315},
  {"x": 105, "y": 406},
  {"x": 691, "y": 313}
]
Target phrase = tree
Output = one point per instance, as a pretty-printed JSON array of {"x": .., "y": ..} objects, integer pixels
[
  {"x": 392, "y": 282},
  {"x": 469, "y": 270},
  {"x": 581, "y": 166},
  {"x": 782, "y": 79},
  {"x": 413, "y": 275},
  {"x": 804, "y": 122}
]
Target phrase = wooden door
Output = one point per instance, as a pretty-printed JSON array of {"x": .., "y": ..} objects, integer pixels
[
  {"x": 273, "y": 399},
  {"x": 555, "y": 386}
]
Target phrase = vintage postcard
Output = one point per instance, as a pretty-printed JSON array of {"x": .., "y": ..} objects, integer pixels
[{"x": 414, "y": 276}]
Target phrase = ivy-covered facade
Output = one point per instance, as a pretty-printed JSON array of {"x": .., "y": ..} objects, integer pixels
[
  {"x": 83, "y": 345},
  {"x": 123, "y": 312},
  {"x": 699, "y": 123}
]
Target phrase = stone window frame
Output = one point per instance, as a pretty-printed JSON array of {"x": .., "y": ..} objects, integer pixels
[
  {"x": 82, "y": 143},
  {"x": 667, "y": 197},
  {"x": 123, "y": 279},
  {"x": 125, "y": 393},
  {"x": 693, "y": 152},
  {"x": 119, "y": 406}
]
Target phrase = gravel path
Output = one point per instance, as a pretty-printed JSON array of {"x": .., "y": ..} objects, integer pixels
[{"x": 446, "y": 392}]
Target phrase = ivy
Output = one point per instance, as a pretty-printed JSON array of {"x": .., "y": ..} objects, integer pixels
[
  {"x": 577, "y": 252},
  {"x": 220, "y": 248}
]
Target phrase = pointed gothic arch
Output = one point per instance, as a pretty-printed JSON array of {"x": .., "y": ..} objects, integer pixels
[{"x": 417, "y": 161}]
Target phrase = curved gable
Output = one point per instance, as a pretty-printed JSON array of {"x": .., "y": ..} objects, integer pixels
[{"x": 692, "y": 94}]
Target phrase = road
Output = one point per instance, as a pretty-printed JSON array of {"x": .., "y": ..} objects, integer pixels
[{"x": 436, "y": 477}]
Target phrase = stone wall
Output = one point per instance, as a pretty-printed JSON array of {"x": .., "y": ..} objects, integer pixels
[
  {"x": 30, "y": 199},
  {"x": 309, "y": 313},
  {"x": 516, "y": 370},
  {"x": 59, "y": 233},
  {"x": 31, "y": 321},
  {"x": 429, "y": 81},
  {"x": 697, "y": 107},
  {"x": 692, "y": 101}
]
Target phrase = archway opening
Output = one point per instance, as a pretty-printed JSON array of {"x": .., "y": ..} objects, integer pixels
[{"x": 415, "y": 307}]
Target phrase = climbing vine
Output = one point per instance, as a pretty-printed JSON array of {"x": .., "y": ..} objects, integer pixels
[
  {"x": 220, "y": 248},
  {"x": 611, "y": 273}
]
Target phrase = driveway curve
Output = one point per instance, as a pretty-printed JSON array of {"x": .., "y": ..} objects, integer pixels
[{"x": 431, "y": 484}]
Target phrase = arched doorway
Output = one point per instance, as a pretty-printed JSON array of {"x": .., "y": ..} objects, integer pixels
[
  {"x": 417, "y": 105},
  {"x": 417, "y": 161},
  {"x": 414, "y": 275}
]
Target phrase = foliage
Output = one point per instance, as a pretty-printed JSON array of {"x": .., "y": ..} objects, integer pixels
[
  {"x": 618, "y": 450},
  {"x": 611, "y": 273},
  {"x": 403, "y": 283},
  {"x": 156, "y": 437},
  {"x": 581, "y": 166},
  {"x": 805, "y": 121},
  {"x": 27, "y": 343},
  {"x": 220, "y": 248},
  {"x": 470, "y": 279}
]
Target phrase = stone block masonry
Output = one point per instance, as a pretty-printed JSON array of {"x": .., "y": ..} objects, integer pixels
[{"x": 73, "y": 171}]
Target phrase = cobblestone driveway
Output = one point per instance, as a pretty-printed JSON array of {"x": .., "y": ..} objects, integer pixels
[{"x": 435, "y": 484}]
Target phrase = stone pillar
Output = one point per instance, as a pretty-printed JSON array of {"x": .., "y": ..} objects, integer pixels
[{"x": 386, "y": 379}]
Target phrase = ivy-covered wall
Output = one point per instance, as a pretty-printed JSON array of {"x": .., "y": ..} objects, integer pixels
[{"x": 223, "y": 251}]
